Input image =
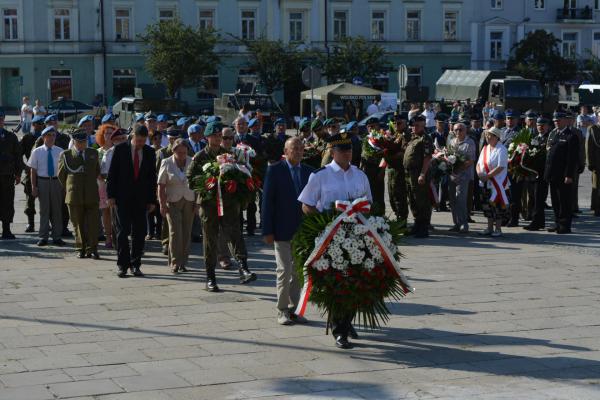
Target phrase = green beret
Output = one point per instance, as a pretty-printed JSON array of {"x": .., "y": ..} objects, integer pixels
[
  {"x": 213, "y": 128},
  {"x": 316, "y": 124}
]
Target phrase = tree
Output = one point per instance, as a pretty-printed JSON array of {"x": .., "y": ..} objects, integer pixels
[
  {"x": 591, "y": 67},
  {"x": 537, "y": 56},
  {"x": 355, "y": 57},
  {"x": 178, "y": 55},
  {"x": 275, "y": 63}
]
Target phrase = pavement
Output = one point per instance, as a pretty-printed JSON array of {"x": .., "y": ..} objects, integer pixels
[{"x": 510, "y": 318}]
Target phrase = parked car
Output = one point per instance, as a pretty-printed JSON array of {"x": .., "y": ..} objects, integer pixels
[
  {"x": 69, "y": 110},
  {"x": 384, "y": 118}
]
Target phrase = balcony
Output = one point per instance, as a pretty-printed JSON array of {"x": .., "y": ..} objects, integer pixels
[{"x": 579, "y": 15}]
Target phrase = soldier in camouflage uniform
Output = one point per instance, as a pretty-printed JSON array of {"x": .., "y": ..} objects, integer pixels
[
  {"x": 376, "y": 174},
  {"x": 11, "y": 166},
  {"x": 417, "y": 158},
  {"x": 395, "y": 168},
  {"x": 275, "y": 142}
]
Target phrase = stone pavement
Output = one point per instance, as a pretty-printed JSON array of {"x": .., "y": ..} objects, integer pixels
[{"x": 517, "y": 317}]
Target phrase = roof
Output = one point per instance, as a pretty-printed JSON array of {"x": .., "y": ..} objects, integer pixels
[{"x": 344, "y": 90}]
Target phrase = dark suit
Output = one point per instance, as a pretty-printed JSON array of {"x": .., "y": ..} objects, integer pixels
[
  {"x": 256, "y": 143},
  {"x": 132, "y": 197}
]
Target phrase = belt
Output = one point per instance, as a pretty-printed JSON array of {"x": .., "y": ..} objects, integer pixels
[{"x": 49, "y": 178}]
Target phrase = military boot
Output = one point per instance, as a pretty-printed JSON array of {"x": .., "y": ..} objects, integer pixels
[
  {"x": 30, "y": 224},
  {"x": 245, "y": 275},
  {"x": 211, "y": 280}
]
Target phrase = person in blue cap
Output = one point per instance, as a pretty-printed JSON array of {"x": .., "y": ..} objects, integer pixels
[
  {"x": 212, "y": 223},
  {"x": 109, "y": 118},
  {"x": 274, "y": 143},
  {"x": 540, "y": 186},
  {"x": 27, "y": 145},
  {"x": 87, "y": 124},
  {"x": 183, "y": 124},
  {"x": 11, "y": 167}
]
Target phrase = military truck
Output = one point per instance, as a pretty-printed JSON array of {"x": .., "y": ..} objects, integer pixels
[
  {"x": 144, "y": 101},
  {"x": 506, "y": 91},
  {"x": 228, "y": 107}
]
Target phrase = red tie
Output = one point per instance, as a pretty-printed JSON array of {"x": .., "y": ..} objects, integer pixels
[{"x": 136, "y": 164}]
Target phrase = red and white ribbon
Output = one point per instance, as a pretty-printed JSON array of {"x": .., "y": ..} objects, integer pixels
[
  {"x": 219, "y": 198},
  {"x": 498, "y": 195}
]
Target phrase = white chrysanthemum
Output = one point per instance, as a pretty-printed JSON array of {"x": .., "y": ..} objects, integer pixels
[
  {"x": 357, "y": 257},
  {"x": 511, "y": 147},
  {"x": 369, "y": 264},
  {"x": 321, "y": 264},
  {"x": 452, "y": 159},
  {"x": 359, "y": 229},
  {"x": 206, "y": 166},
  {"x": 369, "y": 241}
]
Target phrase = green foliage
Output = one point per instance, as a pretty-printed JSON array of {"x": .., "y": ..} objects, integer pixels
[
  {"x": 537, "y": 56},
  {"x": 178, "y": 55},
  {"x": 591, "y": 65},
  {"x": 355, "y": 57}
]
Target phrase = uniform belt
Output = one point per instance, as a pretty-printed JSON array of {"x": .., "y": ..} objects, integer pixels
[{"x": 48, "y": 177}]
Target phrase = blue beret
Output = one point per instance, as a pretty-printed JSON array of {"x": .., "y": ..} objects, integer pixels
[
  {"x": 559, "y": 115},
  {"x": 280, "y": 121},
  {"x": 51, "y": 118},
  {"x": 38, "y": 119},
  {"x": 107, "y": 118},
  {"x": 162, "y": 118},
  {"x": 49, "y": 130},
  {"x": 499, "y": 115},
  {"x": 182, "y": 121},
  {"x": 252, "y": 122},
  {"x": 87, "y": 118},
  {"x": 140, "y": 117},
  {"x": 350, "y": 125},
  {"x": 173, "y": 132},
  {"x": 150, "y": 115},
  {"x": 542, "y": 120},
  {"x": 213, "y": 118},
  {"x": 512, "y": 114},
  {"x": 194, "y": 128},
  {"x": 213, "y": 128}
]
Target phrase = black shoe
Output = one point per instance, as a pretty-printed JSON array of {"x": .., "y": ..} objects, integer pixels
[
  {"x": 455, "y": 228},
  {"x": 562, "y": 231},
  {"x": 245, "y": 275},
  {"x": 422, "y": 232},
  {"x": 94, "y": 255},
  {"x": 101, "y": 238},
  {"x": 342, "y": 342},
  {"x": 211, "y": 286},
  {"x": 512, "y": 223},
  {"x": 552, "y": 229},
  {"x": 8, "y": 235},
  {"x": 122, "y": 272},
  {"x": 471, "y": 220},
  {"x": 66, "y": 233},
  {"x": 165, "y": 250},
  {"x": 137, "y": 272},
  {"x": 533, "y": 227},
  {"x": 352, "y": 333},
  {"x": 58, "y": 242},
  {"x": 42, "y": 242},
  {"x": 81, "y": 254},
  {"x": 30, "y": 228},
  {"x": 196, "y": 239}
]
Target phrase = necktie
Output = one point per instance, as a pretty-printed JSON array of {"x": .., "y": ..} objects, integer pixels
[
  {"x": 81, "y": 155},
  {"x": 50, "y": 163},
  {"x": 196, "y": 147},
  {"x": 296, "y": 177},
  {"x": 136, "y": 164}
]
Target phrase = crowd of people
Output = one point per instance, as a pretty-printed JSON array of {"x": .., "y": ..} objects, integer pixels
[{"x": 123, "y": 187}]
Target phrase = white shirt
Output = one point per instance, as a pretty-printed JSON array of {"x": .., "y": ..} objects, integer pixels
[
  {"x": 372, "y": 109},
  {"x": 332, "y": 183},
  {"x": 175, "y": 179},
  {"x": 26, "y": 113},
  {"x": 39, "y": 110},
  {"x": 429, "y": 118},
  {"x": 106, "y": 160},
  {"x": 39, "y": 160},
  {"x": 498, "y": 156}
]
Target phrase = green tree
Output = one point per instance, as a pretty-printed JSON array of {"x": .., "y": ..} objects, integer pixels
[
  {"x": 591, "y": 67},
  {"x": 178, "y": 55},
  {"x": 355, "y": 57},
  {"x": 537, "y": 56}
]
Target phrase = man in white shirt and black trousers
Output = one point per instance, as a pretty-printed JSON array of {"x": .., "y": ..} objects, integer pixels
[{"x": 338, "y": 180}]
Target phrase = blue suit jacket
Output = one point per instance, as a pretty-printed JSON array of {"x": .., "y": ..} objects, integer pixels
[{"x": 281, "y": 212}]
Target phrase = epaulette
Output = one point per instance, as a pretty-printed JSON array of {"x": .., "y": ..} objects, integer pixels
[{"x": 317, "y": 170}]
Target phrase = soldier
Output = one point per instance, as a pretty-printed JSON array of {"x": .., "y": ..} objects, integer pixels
[
  {"x": 395, "y": 169},
  {"x": 560, "y": 169},
  {"x": 274, "y": 143},
  {"x": 417, "y": 158},
  {"x": 78, "y": 172},
  {"x": 86, "y": 123},
  {"x": 586, "y": 121},
  {"x": 229, "y": 223},
  {"x": 593, "y": 163},
  {"x": 241, "y": 136},
  {"x": 516, "y": 182},
  {"x": 195, "y": 142},
  {"x": 376, "y": 174},
  {"x": 11, "y": 166},
  {"x": 540, "y": 186},
  {"x": 27, "y": 145},
  {"x": 351, "y": 129}
]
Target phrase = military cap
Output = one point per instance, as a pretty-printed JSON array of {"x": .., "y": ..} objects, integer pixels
[
  {"x": 280, "y": 121},
  {"x": 51, "y": 118},
  {"x": 304, "y": 124},
  {"x": 418, "y": 118},
  {"x": 194, "y": 128},
  {"x": 162, "y": 118},
  {"x": 81, "y": 136},
  {"x": 87, "y": 118},
  {"x": 559, "y": 115},
  {"x": 341, "y": 141},
  {"x": 499, "y": 115},
  {"x": 118, "y": 132},
  {"x": 372, "y": 121},
  {"x": 38, "y": 119},
  {"x": 530, "y": 114},
  {"x": 403, "y": 115},
  {"x": 107, "y": 118},
  {"x": 150, "y": 116},
  {"x": 351, "y": 125},
  {"x": 316, "y": 124},
  {"x": 182, "y": 121},
  {"x": 252, "y": 122},
  {"x": 140, "y": 118},
  {"x": 173, "y": 132},
  {"x": 49, "y": 130},
  {"x": 542, "y": 121},
  {"x": 329, "y": 122},
  {"x": 213, "y": 128},
  {"x": 213, "y": 118},
  {"x": 512, "y": 114}
]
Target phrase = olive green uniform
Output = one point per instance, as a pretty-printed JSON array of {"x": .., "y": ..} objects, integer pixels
[
  {"x": 376, "y": 176},
  {"x": 79, "y": 176},
  {"x": 419, "y": 148},
  {"x": 397, "y": 177},
  {"x": 11, "y": 165}
]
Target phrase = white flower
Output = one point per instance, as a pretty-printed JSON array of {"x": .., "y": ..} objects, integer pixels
[
  {"x": 452, "y": 159},
  {"x": 511, "y": 147},
  {"x": 359, "y": 229},
  {"x": 205, "y": 167},
  {"x": 321, "y": 264},
  {"x": 443, "y": 166},
  {"x": 369, "y": 264}
]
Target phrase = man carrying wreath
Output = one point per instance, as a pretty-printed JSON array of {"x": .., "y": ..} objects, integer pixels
[{"x": 338, "y": 180}]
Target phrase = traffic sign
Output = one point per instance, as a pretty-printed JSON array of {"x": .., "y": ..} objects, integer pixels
[
  {"x": 358, "y": 81},
  {"x": 311, "y": 77}
]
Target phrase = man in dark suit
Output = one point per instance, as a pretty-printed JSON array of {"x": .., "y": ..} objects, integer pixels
[
  {"x": 281, "y": 215},
  {"x": 131, "y": 187}
]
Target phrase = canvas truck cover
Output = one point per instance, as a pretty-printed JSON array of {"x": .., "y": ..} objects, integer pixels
[{"x": 460, "y": 84}]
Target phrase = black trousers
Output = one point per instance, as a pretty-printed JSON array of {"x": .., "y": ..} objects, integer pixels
[
  {"x": 516, "y": 195},
  {"x": 540, "y": 190},
  {"x": 130, "y": 220},
  {"x": 562, "y": 203},
  {"x": 340, "y": 326},
  {"x": 7, "y": 198},
  {"x": 155, "y": 223}
]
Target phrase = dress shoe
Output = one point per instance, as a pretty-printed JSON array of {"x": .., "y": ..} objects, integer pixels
[
  {"x": 533, "y": 227},
  {"x": 182, "y": 268},
  {"x": 165, "y": 250},
  {"x": 174, "y": 269},
  {"x": 563, "y": 231},
  {"x": 121, "y": 272},
  {"x": 137, "y": 272},
  {"x": 352, "y": 332},
  {"x": 283, "y": 318},
  {"x": 8, "y": 235},
  {"x": 342, "y": 342},
  {"x": 464, "y": 229},
  {"x": 94, "y": 255},
  {"x": 42, "y": 242},
  {"x": 58, "y": 242},
  {"x": 471, "y": 220},
  {"x": 81, "y": 254},
  {"x": 455, "y": 228},
  {"x": 30, "y": 228},
  {"x": 245, "y": 275},
  {"x": 298, "y": 319},
  {"x": 66, "y": 233},
  {"x": 552, "y": 229},
  {"x": 211, "y": 286}
]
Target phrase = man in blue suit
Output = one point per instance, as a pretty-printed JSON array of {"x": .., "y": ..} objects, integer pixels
[{"x": 281, "y": 215}]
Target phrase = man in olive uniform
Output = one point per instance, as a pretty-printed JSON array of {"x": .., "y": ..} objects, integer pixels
[
  {"x": 229, "y": 223},
  {"x": 540, "y": 186},
  {"x": 593, "y": 163},
  {"x": 376, "y": 174},
  {"x": 11, "y": 166},
  {"x": 78, "y": 172},
  {"x": 417, "y": 158},
  {"x": 27, "y": 145},
  {"x": 274, "y": 143},
  {"x": 395, "y": 168}
]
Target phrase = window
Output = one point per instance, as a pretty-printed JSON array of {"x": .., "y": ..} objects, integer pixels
[
  {"x": 60, "y": 83},
  {"x": 450, "y": 25},
  {"x": 413, "y": 25},
  {"x": 248, "y": 24},
  {"x": 596, "y": 44},
  {"x": 414, "y": 76},
  {"x": 10, "y": 24},
  {"x": 378, "y": 25},
  {"x": 572, "y": 4},
  {"x": 539, "y": 4},
  {"x": 247, "y": 80},
  {"x": 122, "y": 22},
  {"x": 496, "y": 39},
  {"x": 596, "y": 4},
  {"x": 340, "y": 25},
  {"x": 166, "y": 14},
  {"x": 497, "y": 4},
  {"x": 569, "y": 44},
  {"x": 123, "y": 82},
  {"x": 207, "y": 19},
  {"x": 62, "y": 24},
  {"x": 296, "y": 27}
]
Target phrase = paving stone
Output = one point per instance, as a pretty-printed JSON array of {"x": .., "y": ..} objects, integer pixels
[
  {"x": 34, "y": 378},
  {"x": 153, "y": 381},
  {"x": 84, "y": 388}
]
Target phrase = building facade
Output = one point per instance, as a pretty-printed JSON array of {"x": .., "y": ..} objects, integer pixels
[{"x": 89, "y": 49}]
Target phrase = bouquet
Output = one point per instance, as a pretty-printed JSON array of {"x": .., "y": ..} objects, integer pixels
[
  {"x": 225, "y": 180},
  {"x": 376, "y": 147},
  {"x": 312, "y": 156},
  {"x": 349, "y": 261},
  {"x": 447, "y": 160},
  {"x": 523, "y": 156}
]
